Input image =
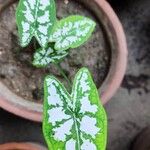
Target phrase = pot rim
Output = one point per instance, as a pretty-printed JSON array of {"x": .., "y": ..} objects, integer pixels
[
  {"x": 21, "y": 146},
  {"x": 118, "y": 63},
  {"x": 32, "y": 110}
]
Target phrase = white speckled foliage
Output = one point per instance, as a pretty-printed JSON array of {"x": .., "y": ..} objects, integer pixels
[
  {"x": 72, "y": 32},
  {"x": 44, "y": 56},
  {"x": 75, "y": 121},
  {"x": 35, "y": 18}
]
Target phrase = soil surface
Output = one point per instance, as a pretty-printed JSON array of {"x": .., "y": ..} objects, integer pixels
[{"x": 16, "y": 70}]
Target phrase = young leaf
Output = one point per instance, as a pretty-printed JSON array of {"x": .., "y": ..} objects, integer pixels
[
  {"x": 77, "y": 121},
  {"x": 72, "y": 32},
  {"x": 35, "y": 18},
  {"x": 43, "y": 57}
]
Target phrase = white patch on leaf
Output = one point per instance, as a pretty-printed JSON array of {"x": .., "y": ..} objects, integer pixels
[
  {"x": 63, "y": 131},
  {"x": 44, "y": 4},
  {"x": 57, "y": 114},
  {"x": 88, "y": 126},
  {"x": 54, "y": 98},
  {"x": 84, "y": 83},
  {"x": 28, "y": 13},
  {"x": 71, "y": 144},
  {"x": 87, "y": 145},
  {"x": 43, "y": 29},
  {"x": 32, "y": 3},
  {"x": 26, "y": 26},
  {"x": 25, "y": 38},
  {"x": 86, "y": 106},
  {"x": 44, "y": 18}
]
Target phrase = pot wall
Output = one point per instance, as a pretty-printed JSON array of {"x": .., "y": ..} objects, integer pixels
[{"x": 21, "y": 146}]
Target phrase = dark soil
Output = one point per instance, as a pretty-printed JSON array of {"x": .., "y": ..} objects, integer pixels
[{"x": 16, "y": 70}]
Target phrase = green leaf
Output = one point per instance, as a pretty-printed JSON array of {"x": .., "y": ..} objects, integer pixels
[
  {"x": 72, "y": 32},
  {"x": 75, "y": 121},
  {"x": 35, "y": 18},
  {"x": 45, "y": 56}
]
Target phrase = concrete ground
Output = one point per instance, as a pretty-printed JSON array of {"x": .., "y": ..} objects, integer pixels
[{"x": 129, "y": 110}]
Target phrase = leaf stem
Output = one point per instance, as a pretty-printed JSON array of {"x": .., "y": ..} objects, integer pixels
[
  {"x": 77, "y": 133},
  {"x": 34, "y": 44},
  {"x": 63, "y": 74}
]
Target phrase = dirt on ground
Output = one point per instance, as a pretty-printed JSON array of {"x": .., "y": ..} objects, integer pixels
[{"x": 16, "y": 70}]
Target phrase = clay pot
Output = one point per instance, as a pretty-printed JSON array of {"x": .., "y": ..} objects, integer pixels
[
  {"x": 114, "y": 32},
  {"x": 21, "y": 146},
  {"x": 142, "y": 141}
]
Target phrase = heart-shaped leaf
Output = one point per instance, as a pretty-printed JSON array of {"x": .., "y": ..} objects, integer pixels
[
  {"x": 35, "y": 18},
  {"x": 72, "y": 32},
  {"x": 77, "y": 121},
  {"x": 43, "y": 56}
]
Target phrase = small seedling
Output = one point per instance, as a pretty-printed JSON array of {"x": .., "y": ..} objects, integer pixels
[
  {"x": 75, "y": 121},
  {"x": 42, "y": 57}
]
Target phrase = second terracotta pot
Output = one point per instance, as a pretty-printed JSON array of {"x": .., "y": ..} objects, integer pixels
[{"x": 21, "y": 146}]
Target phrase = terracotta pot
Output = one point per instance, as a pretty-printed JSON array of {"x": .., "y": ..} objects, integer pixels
[
  {"x": 142, "y": 141},
  {"x": 21, "y": 146},
  {"x": 114, "y": 32}
]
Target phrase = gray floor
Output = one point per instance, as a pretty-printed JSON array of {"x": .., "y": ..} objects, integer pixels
[{"x": 129, "y": 111}]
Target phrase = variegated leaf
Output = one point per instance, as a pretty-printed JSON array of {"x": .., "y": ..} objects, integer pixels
[
  {"x": 77, "y": 121},
  {"x": 45, "y": 56},
  {"x": 72, "y": 32},
  {"x": 35, "y": 18}
]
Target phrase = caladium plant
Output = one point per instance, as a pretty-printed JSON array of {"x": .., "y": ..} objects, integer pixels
[{"x": 75, "y": 121}]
